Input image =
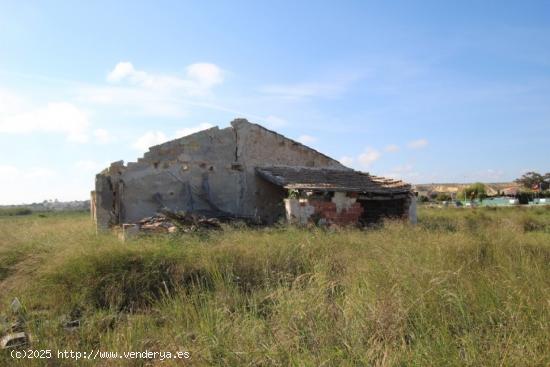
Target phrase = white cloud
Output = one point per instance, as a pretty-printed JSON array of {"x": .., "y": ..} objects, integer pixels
[
  {"x": 392, "y": 148},
  {"x": 368, "y": 157},
  {"x": 205, "y": 74},
  {"x": 347, "y": 161},
  {"x": 199, "y": 78},
  {"x": 135, "y": 100},
  {"x": 121, "y": 71},
  {"x": 8, "y": 171},
  {"x": 418, "y": 144},
  {"x": 193, "y": 129},
  {"x": 155, "y": 94},
  {"x": 307, "y": 139},
  {"x": 56, "y": 117},
  {"x": 363, "y": 160},
  {"x": 149, "y": 139},
  {"x": 10, "y": 102},
  {"x": 103, "y": 136}
]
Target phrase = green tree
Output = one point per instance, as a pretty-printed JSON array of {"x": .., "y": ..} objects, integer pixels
[
  {"x": 443, "y": 196},
  {"x": 534, "y": 180},
  {"x": 423, "y": 199},
  {"x": 474, "y": 191},
  {"x": 546, "y": 181}
]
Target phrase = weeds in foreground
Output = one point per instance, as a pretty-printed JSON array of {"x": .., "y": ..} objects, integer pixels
[{"x": 464, "y": 287}]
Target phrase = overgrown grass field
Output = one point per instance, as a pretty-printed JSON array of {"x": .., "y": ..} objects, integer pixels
[{"x": 465, "y": 287}]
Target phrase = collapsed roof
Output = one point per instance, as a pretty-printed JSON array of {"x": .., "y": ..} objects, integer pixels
[{"x": 323, "y": 179}]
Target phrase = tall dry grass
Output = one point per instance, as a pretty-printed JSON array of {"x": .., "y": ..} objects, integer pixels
[{"x": 462, "y": 288}]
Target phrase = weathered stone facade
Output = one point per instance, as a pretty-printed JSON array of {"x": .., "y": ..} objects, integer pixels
[
  {"x": 212, "y": 171},
  {"x": 215, "y": 172}
]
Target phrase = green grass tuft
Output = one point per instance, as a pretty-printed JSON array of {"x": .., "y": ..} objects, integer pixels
[{"x": 465, "y": 287}]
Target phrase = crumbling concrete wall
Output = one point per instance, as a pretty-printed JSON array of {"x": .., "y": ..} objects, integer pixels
[
  {"x": 103, "y": 200},
  {"x": 299, "y": 211},
  {"x": 193, "y": 173},
  {"x": 342, "y": 209},
  {"x": 257, "y": 147},
  {"x": 210, "y": 171},
  {"x": 350, "y": 209}
]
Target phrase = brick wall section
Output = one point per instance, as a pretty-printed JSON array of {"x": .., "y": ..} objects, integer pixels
[{"x": 327, "y": 210}]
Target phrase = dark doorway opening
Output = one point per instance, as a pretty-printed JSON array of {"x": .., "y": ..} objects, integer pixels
[{"x": 374, "y": 211}]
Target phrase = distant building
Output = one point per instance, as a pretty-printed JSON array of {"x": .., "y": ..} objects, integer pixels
[{"x": 510, "y": 191}]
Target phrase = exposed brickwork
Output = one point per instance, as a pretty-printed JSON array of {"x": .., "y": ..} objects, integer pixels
[{"x": 327, "y": 210}]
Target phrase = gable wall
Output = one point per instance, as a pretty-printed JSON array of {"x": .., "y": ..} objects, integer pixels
[
  {"x": 257, "y": 147},
  {"x": 212, "y": 170}
]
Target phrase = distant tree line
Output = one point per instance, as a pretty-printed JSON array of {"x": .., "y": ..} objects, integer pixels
[
  {"x": 533, "y": 184},
  {"x": 534, "y": 181},
  {"x": 473, "y": 192},
  {"x": 14, "y": 211}
]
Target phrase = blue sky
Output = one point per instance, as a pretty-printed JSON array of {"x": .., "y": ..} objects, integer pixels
[{"x": 430, "y": 91}]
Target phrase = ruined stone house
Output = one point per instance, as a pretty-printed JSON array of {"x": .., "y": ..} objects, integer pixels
[{"x": 245, "y": 171}]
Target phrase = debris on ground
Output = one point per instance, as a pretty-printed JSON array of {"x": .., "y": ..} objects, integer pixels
[
  {"x": 167, "y": 221},
  {"x": 72, "y": 321},
  {"x": 157, "y": 224},
  {"x": 15, "y": 340},
  {"x": 71, "y": 325},
  {"x": 191, "y": 222},
  {"x": 12, "y": 333}
]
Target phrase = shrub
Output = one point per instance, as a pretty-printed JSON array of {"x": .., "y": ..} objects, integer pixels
[
  {"x": 531, "y": 224},
  {"x": 434, "y": 223},
  {"x": 474, "y": 191},
  {"x": 524, "y": 197},
  {"x": 120, "y": 280},
  {"x": 442, "y": 196},
  {"x": 15, "y": 211},
  {"x": 423, "y": 199}
]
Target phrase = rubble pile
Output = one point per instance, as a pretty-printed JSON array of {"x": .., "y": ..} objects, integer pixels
[
  {"x": 157, "y": 224},
  {"x": 170, "y": 222}
]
